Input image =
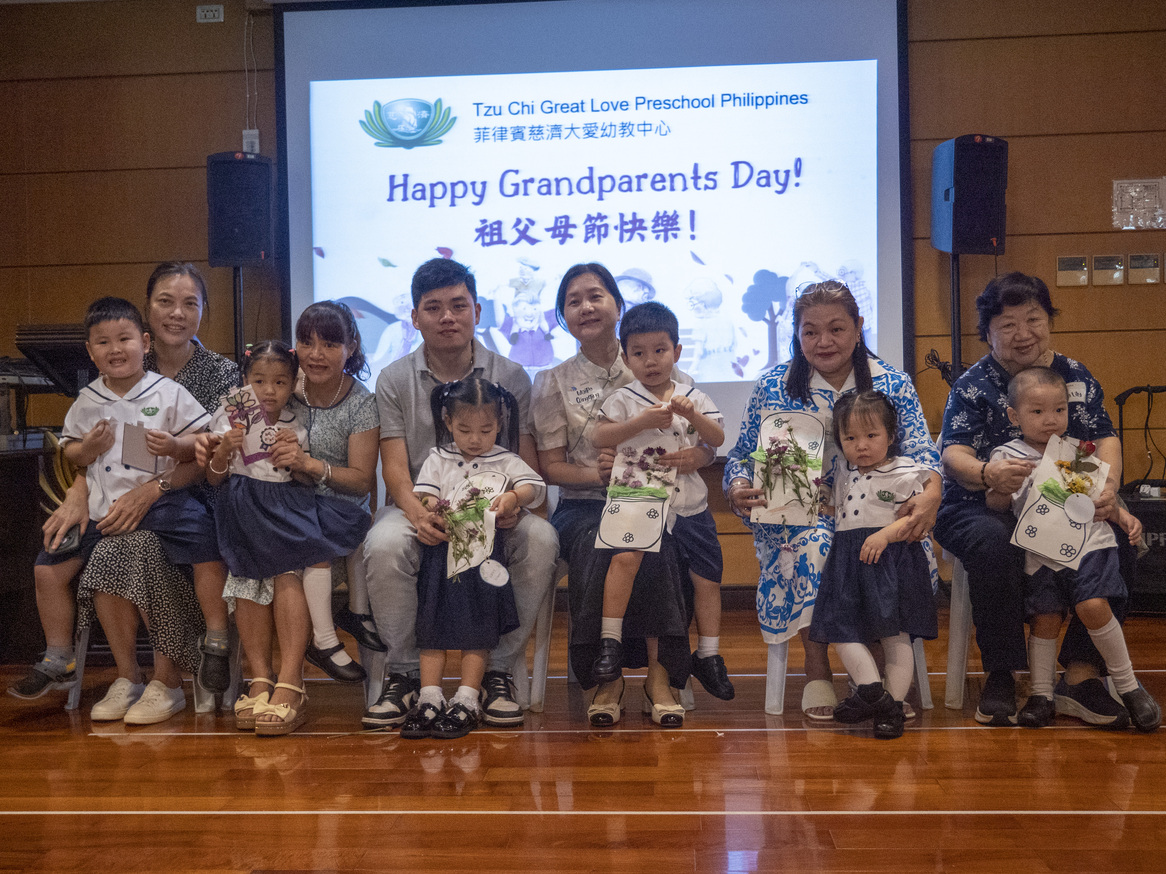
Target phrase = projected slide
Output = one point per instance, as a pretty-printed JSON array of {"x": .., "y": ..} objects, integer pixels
[{"x": 715, "y": 190}]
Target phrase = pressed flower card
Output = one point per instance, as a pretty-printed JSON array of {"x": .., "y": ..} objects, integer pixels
[
  {"x": 787, "y": 467},
  {"x": 1054, "y": 521},
  {"x": 245, "y": 412},
  {"x": 468, "y": 521},
  {"x": 639, "y": 494}
]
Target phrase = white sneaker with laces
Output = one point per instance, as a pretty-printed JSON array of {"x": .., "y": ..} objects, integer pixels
[
  {"x": 158, "y": 703},
  {"x": 121, "y": 696}
]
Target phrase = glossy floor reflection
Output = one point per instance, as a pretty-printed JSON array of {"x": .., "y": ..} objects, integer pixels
[{"x": 734, "y": 790}]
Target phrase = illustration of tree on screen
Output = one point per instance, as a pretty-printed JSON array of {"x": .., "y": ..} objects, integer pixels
[{"x": 764, "y": 301}]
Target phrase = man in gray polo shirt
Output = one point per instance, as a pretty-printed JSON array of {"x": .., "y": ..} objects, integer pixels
[{"x": 445, "y": 311}]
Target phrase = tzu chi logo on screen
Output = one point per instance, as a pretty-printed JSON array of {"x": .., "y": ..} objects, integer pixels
[{"x": 407, "y": 123}]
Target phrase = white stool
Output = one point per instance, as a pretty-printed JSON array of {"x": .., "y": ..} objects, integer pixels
[
  {"x": 775, "y": 673},
  {"x": 959, "y": 628}
]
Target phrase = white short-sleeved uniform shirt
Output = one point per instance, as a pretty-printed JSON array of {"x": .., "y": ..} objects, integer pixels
[
  {"x": 1098, "y": 535},
  {"x": 444, "y": 469},
  {"x": 871, "y": 500},
  {"x": 690, "y": 494},
  {"x": 263, "y": 468},
  {"x": 156, "y": 402},
  {"x": 565, "y": 407}
]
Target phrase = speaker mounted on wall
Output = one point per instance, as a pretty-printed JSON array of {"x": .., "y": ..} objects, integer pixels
[
  {"x": 240, "y": 232},
  {"x": 969, "y": 176}
]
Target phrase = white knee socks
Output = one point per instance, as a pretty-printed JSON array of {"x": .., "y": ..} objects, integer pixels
[
  {"x": 1111, "y": 643},
  {"x": 1042, "y": 665},
  {"x": 318, "y": 592},
  {"x": 900, "y": 664},
  {"x": 859, "y": 663}
]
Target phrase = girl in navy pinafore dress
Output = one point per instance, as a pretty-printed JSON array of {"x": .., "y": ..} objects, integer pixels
[
  {"x": 876, "y": 585},
  {"x": 474, "y": 607}
]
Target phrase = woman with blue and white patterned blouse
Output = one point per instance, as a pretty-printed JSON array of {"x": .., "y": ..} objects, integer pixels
[{"x": 829, "y": 357}]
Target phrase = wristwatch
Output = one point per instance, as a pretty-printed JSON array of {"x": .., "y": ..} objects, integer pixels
[{"x": 163, "y": 484}]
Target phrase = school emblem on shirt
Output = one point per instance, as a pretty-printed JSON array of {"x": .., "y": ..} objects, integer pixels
[
  {"x": 150, "y": 411},
  {"x": 884, "y": 495}
]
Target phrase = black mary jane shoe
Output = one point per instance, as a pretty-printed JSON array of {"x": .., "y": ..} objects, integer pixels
[
  {"x": 888, "y": 724},
  {"x": 608, "y": 665},
  {"x": 322, "y": 659},
  {"x": 866, "y": 702},
  {"x": 353, "y": 623}
]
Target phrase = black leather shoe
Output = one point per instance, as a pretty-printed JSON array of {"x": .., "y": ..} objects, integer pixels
[
  {"x": 354, "y": 624},
  {"x": 867, "y": 702},
  {"x": 888, "y": 725},
  {"x": 608, "y": 666},
  {"x": 713, "y": 675},
  {"x": 1038, "y": 712},
  {"x": 457, "y": 721},
  {"x": 419, "y": 721},
  {"x": 1145, "y": 713},
  {"x": 322, "y": 659}
]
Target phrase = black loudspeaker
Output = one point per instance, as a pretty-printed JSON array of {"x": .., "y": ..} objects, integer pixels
[
  {"x": 968, "y": 178},
  {"x": 1148, "y": 589},
  {"x": 239, "y": 208}
]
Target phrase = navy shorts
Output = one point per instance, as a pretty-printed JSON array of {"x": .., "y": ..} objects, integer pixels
[
  {"x": 1099, "y": 576},
  {"x": 696, "y": 537},
  {"x": 183, "y": 524}
]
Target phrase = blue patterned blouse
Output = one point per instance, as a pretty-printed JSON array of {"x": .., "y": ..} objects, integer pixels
[
  {"x": 977, "y": 413},
  {"x": 791, "y": 558}
]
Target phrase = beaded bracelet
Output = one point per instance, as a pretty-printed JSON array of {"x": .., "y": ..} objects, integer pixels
[{"x": 984, "y": 479}]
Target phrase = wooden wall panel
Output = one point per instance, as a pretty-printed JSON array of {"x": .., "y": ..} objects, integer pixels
[
  {"x": 952, "y": 20},
  {"x": 1050, "y": 85},
  {"x": 125, "y": 38},
  {"x": 1056, "y": 185},
  {"x": 1102, "y": 308},
  {"x": 123, "y": 123},
  {"x": 102, "y": 218}
]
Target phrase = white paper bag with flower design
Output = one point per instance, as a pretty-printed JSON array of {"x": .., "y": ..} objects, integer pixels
[
  {"x": 244, "y": 411},
  {"x": 793, "y": 443},
  {"x": 1054, "y": 521},
  {"x": 472, "y": 538},
  {"x": 639, "y": 494}
]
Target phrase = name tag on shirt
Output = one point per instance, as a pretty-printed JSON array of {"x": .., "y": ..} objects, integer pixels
[{"x": 1076, "y": 392}]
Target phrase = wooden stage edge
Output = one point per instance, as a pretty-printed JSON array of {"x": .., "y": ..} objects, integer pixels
[{"x": 734, "y": 790}]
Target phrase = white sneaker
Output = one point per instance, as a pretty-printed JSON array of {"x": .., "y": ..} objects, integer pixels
[
  {"x": 158, "y": 703},
  {"x": 120, "y": 697}
]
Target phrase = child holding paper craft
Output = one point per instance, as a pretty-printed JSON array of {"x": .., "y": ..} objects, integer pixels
[
  {"x": 650, "y": 335},
  {"x": 464, "y": 597},
  {"x": 876, "y": 584},
  {"x": 1038, "y": 404},
  {"x": 125, "y": 428},
  {"x": 268, "y": 527}
]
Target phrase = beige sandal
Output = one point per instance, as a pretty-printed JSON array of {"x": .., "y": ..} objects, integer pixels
[
  {"x": 667, "y": 714},
  {"x": 245, "y": 706},
  {"x": 819, "y": 700},
  {"x": 289, "y": 718},
  {"x": 606, "y": 715}
]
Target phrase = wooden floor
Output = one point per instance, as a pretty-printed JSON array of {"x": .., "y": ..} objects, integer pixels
[{"x": 734, "y": 790}]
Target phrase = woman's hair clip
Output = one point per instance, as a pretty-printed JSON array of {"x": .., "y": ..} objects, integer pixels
[{"x": 247, "y": 353}]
